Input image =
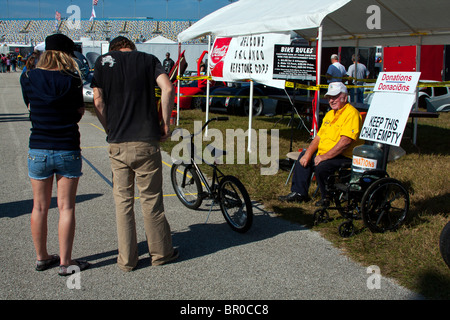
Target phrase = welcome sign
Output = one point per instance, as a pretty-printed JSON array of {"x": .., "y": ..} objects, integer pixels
[{"x": 246, "y": 58}]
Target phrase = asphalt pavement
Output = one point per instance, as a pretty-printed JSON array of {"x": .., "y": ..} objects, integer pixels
[{"x": 274, "y": 260}]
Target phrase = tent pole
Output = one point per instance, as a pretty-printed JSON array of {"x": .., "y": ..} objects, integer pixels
[
  {"x": 416, "y": 107},
  {"x": 319, "y": 67},
  {"x": 250, "y": 117},
  {"x": 208, "y": 72},
  {"x": 178, "y": 83},
  {"x": 207, "y": 81}
]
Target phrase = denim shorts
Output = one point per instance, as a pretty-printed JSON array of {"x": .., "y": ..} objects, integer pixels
[{"x": 43, "y": 164}]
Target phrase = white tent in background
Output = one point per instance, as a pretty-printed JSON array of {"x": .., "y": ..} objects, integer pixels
[
  {"x": 160, "y": 40},
  {"x": 333, "y": 22}
]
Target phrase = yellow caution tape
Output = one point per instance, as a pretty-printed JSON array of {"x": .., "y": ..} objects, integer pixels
[{"x": 290, "y": 84}]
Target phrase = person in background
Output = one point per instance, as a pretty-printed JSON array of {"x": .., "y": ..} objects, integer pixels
[
  {"x": 13, "y": 63},
  {"x": 358, "y": 71},
  {"x": 3, "y": 63},
  {"x": 168, "y": 63},
  {"x": 336, "y": 71},
  {"x": 53, "y": 92}
]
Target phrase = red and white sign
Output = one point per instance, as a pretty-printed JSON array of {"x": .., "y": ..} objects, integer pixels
[
  {"x": 398, "y": 82},
  {"x": 247, "y": 58},
  {"x": 362, "y": 164},
  {"x": 218, "y": 54}
]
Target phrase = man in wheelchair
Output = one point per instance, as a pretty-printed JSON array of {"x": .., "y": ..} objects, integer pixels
[{"x": 330, "y": 149}]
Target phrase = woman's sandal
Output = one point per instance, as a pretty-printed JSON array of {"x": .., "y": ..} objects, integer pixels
[
  {"x": 42, "y": 265},
  {"x": 79, "y": 265}
]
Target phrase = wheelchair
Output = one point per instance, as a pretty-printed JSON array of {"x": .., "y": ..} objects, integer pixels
[{"x": 380, "y": 201}]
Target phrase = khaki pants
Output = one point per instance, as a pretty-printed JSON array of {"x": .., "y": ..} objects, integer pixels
[{"x": 140, "y": 162}]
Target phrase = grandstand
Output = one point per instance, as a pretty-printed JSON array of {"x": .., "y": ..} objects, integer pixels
[{"x": 33, "y": 31}]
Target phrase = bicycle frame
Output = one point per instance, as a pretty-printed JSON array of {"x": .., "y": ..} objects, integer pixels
[
  {"x": 225, "y": 190},
  {"x": 211, "y": 189}
]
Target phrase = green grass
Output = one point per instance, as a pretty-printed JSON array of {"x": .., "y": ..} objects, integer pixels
[{"x": 411, "y": 254}]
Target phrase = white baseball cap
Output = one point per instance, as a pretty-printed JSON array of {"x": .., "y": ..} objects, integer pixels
[{"x": 335, "y": 88}]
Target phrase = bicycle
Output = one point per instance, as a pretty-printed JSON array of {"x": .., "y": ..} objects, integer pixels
[{"x": 188, "y": 181}]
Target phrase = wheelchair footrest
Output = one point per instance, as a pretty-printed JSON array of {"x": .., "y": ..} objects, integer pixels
[{"x": 341, "y": 187}]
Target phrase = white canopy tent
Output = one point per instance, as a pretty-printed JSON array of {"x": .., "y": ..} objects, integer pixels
[
  {"x": 160, "y": 39},
  {"x": 332, "y": 22},
  {"x": 403, "y": 22}
]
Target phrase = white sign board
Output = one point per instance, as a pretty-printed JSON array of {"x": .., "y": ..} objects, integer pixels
[
  {"x": 390, "y": 107},
  {"x": 397, "y": 82},
  {"x": 246, "y": 58}
]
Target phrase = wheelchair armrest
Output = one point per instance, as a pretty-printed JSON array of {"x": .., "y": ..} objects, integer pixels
[
  {"x": 380, "y": 173},
  {"x": 346, "y": 165}
]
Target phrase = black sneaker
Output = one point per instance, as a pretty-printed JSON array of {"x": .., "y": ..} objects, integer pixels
[
  {"x": 324, "y": 203},
  {"x": 293, "y": 197}
]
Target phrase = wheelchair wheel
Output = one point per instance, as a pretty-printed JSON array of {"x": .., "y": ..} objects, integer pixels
[
  {"x": 384, "y": 205},
  {"x": 346, "y": 229},
  {"x": 321, "y": 215},
  {"x": 444, "y": 244}
]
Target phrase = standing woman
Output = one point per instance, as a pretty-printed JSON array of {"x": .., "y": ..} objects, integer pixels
[{"x": 53, "y": 93}]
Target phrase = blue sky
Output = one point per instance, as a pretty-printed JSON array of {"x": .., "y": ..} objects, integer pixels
[{"x": 157, "y": 9}]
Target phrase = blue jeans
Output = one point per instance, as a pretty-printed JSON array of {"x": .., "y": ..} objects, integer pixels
[
  {"x": 43, "y": 164},
  {"x": 359, "y": 92}
]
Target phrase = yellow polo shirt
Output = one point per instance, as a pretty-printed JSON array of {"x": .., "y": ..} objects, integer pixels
[{"x": 343, "y": 122}]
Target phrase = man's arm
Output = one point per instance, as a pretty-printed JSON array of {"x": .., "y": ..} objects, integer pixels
[
  {"x": 167, "y": 102},
  {"x": 312, "y": 148},
  {"x": 99, "y": 105},
  {"x": 343, "y": 143}
]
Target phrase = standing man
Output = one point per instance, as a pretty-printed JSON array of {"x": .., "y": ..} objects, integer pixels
[
  {"x": 358, "y": 71},
  {"x": 331, "y": 148},
  {"x": 336, "y": 71},
  {"x": 124, "y": 97},
  {"x": 168, "y": 63}
]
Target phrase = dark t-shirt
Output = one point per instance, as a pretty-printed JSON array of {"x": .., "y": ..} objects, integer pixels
[
  {"x": 128, "y": 80},
  {"x": 55, "y": 99},
  {"x": 168, "y": 65}
]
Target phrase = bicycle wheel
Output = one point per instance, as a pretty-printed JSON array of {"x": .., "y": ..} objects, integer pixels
[
  {"x": 384, "y": 205},
  {"x": 189, "y": 193},
  {"x": 444, "y": 244},
  {"x": 235, "y": 204}
]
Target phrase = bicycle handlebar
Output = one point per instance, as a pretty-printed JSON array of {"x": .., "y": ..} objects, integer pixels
[{"x": 214, "y": 119}]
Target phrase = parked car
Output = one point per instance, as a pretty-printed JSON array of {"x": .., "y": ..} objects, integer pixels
[
  {"x": 88, "y": 92},
  {"x": 87, "y": 74},
  {"x": 434, "y": 99},
  {"x": 234, "y": 99},
  {"x": 187, "y": 97}
]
